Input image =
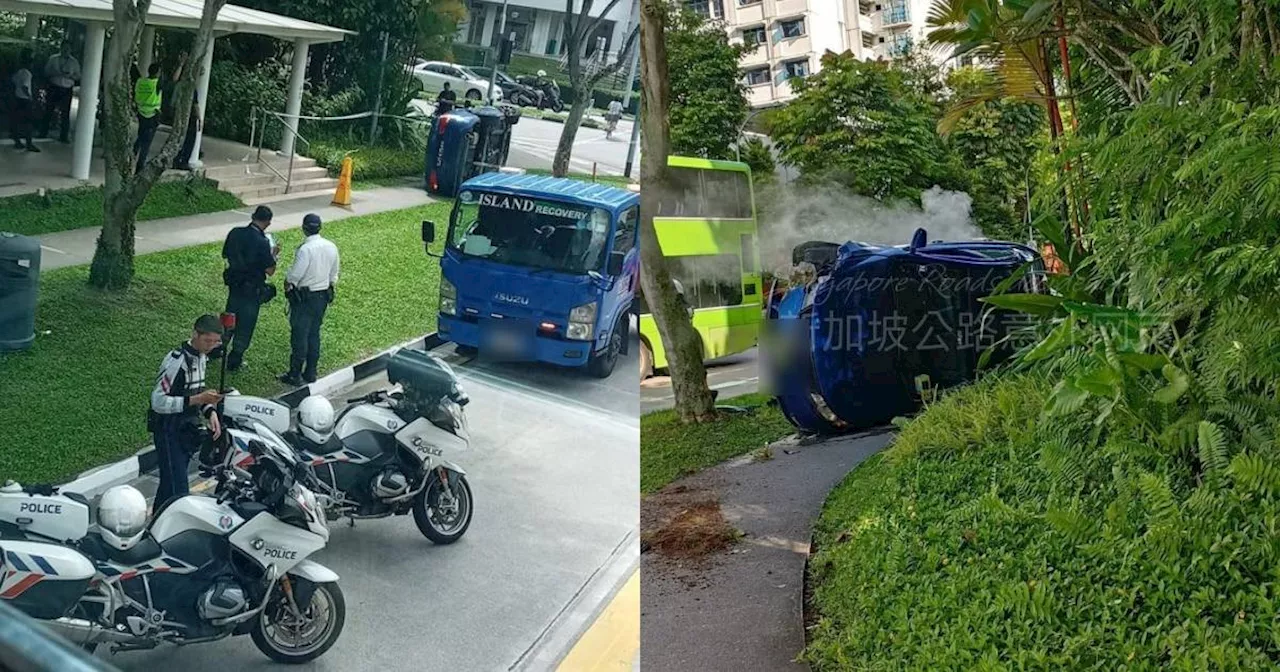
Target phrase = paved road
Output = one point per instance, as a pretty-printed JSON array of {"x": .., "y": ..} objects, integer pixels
[
  {"x": 534, "y": 142},
  {"x": 732, "y": 376},
  {"x": 555, "y": 473}
]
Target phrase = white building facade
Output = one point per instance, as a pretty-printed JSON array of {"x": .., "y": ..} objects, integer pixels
[
  {"x": 792, "y": 36},
  {"x": 538, "y": 25}
]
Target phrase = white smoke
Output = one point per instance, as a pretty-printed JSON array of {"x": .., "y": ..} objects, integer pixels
[{"x": 796, "y": 214}]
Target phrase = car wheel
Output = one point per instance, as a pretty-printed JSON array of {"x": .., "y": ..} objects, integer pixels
[{"x": 473, "y": 94}]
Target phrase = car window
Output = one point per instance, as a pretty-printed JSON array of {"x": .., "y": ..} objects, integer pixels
[{"x": 464, "y": 72}]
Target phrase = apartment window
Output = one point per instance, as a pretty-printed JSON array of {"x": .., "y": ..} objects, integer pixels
[
  {"x": 753, "y": 36},
  {"x": 744, "y": 3},
  {"x": 758, "y": 76},
  {"x": 795, "y": 69},
  {"x": 901, "y": 44},
  {"x": 897, "y": 13},
  {"x": 792, "y": 28}
]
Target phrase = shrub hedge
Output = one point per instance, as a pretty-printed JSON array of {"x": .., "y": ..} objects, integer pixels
[{"x": 980, "y": 541}]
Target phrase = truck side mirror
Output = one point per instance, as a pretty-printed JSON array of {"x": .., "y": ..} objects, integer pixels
[
  {"x": 616, "y": 261},
  {"x": 428, "y": 232}
]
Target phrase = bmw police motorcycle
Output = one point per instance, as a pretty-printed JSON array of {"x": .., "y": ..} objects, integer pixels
[
  {"x": 388, "y": 453},
  {"x": 201, "y": 570}
]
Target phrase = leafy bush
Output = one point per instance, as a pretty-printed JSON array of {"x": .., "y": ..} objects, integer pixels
[
  {"x": 369, "y": 163},
  {"x": 987, "y": 538},
  {"x": 234, "y": 92}
]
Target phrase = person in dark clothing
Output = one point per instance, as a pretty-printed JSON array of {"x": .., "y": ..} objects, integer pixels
[
  {"x": 447, "y": 99},
  {"x": 24, "y": 105},
  {"x": 309, "y": 286},
  {"x": 250, "y": 259},
  {"x": 183, "y": 160},
  {"x": 178, "y": 404}
]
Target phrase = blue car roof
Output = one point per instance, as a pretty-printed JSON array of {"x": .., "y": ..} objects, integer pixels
[{"x": 556, "y": 188}]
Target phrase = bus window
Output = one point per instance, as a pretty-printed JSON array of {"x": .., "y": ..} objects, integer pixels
[
  {"x": 711, "y": 281},
  {"x": 707, "y": 194}
]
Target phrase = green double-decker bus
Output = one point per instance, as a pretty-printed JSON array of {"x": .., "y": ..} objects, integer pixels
[{"x": 707, "y": 232}]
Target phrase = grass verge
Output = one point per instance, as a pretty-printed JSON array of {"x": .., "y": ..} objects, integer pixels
[
  {"x": 983, "y": 540},
  {"x": 66, "y": 209},
  {"x": 77, "y": 399},
  {"x": 670, "y": 449}
]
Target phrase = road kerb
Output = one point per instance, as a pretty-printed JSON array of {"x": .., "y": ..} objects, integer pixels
[{"x": 613, "y": 641}]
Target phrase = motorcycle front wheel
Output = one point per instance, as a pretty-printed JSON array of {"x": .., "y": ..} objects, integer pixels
[
  {"x": 291, "y": 638},
  {"x": 440, "y": 520}
]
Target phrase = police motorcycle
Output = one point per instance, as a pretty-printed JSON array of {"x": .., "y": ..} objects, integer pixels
[
  {"x": 388, "y": 453},
  {"x": 203, "y": 569}
]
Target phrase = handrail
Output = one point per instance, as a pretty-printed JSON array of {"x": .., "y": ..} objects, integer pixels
[
  {"x": 25, "y": 646},
  {"x": 258, "y": 136}
]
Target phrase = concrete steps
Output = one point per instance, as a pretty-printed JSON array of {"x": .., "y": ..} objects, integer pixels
[{"x": 255, "y": 183}]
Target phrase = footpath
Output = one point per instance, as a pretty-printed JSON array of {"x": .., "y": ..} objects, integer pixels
[
  {"x": 738, "y": 605},
  {"x": 76, "y": 247}
]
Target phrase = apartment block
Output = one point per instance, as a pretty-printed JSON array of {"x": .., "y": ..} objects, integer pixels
[{"x": 792, "y": 35}]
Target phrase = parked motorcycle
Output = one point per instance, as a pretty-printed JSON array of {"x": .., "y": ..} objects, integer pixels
[
  {"x": 388, "y": 453},
  {"x": 203, "y": 569},
  {"x": 550, "y": 90}
]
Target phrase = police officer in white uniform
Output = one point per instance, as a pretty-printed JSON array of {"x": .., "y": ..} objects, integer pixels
[{"x": 309, "y": 287}]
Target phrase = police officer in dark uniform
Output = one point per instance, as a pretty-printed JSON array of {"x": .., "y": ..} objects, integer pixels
[
  {"x": 250, "y": 260},
  {"x": 178, "y": 403}
]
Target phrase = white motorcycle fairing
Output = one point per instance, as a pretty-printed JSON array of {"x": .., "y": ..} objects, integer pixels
[
  {"x": 314, "y": 572},
  {"x": 428, "y": 442},
  {"x": 55, "y": 516},
  {"x": 248, "y": 409}
]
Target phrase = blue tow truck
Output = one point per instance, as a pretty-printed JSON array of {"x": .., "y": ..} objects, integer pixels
[{"x": 540, "y": 269}]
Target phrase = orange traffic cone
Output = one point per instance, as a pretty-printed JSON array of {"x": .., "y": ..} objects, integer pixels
[{"x": 343, "y": 195}]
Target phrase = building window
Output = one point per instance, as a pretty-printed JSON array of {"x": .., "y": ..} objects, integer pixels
[
  {"x": 792, "y": 28},
  {"x": 897, "y": 13},
  {"x": 901, "y": 44},
  {"x": 744, "y": 3},
  {"x": 792, "y": 69},
  {"x": 700, "y": 7},
  {"x": 758, "y": 76},
  {"x": 754, "y": 36}
]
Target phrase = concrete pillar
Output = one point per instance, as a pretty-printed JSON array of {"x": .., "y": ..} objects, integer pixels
[
  {"x": 490, "y": 18},
  {"x": 293, "y": 107},
  {"x": 146, "y": 49},
  {"x": 202, "y": 95},
  {"x": 32, "y": 30},
  {"x": 90, "y": 84}
]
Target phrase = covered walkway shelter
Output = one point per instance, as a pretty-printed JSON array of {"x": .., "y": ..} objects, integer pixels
[{"x": 97, "y": 17}]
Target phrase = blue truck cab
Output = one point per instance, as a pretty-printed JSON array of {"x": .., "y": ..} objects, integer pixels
[{"x": 540, "y": 269}]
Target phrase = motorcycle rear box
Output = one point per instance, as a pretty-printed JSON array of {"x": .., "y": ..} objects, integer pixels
[
  {"x": 421, "y": 373},
  {"x": 57, "y": 517},
  {"x": 274, "y": 415},
  {"x": 42, "y": 580}
]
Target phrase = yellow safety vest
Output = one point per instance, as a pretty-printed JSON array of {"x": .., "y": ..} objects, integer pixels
[{"x": 146, "y": 93}]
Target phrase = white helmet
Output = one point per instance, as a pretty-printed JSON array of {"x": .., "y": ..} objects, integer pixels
[
  {"x": 315, "y": 419},
  {"x": 122, "y": 516},
  {"x": 542, "y": 73}
]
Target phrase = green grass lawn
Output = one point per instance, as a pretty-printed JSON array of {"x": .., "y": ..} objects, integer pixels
[
  {"x": 670, "y": 449},
  {"x": 78, "y": 398},
  {"x": 63, "y": 210}
]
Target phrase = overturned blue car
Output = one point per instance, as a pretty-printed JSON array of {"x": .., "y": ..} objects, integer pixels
[{"x": 874, "y": 328}]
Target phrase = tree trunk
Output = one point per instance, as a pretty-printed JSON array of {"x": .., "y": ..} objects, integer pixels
[
  {"x": 693, "y": 399},
  {"x": 564, "y": 150},
  {"x": 123, "y": 189}
]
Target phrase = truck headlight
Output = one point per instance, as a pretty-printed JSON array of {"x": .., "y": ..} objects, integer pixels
[
  {"x": 448, "y": 298},
  {"x": 582, "y": 322}
]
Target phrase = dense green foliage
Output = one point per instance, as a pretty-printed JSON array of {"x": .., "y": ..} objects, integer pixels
[
  {"x": 708, "y": 97},
  {"x": 872, "y": 127},
  {"x": 118, "y": 339},
  {"x": 1112, "y": 502},
  {"x": 987, "y": 539},
  {"x": 33, "y": 215}
]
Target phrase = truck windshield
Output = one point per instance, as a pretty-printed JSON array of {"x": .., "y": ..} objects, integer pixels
[{"x": 524, "y": 231}]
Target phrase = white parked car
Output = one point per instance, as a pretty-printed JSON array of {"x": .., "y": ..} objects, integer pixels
[{"x": 463, "y": 81}]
